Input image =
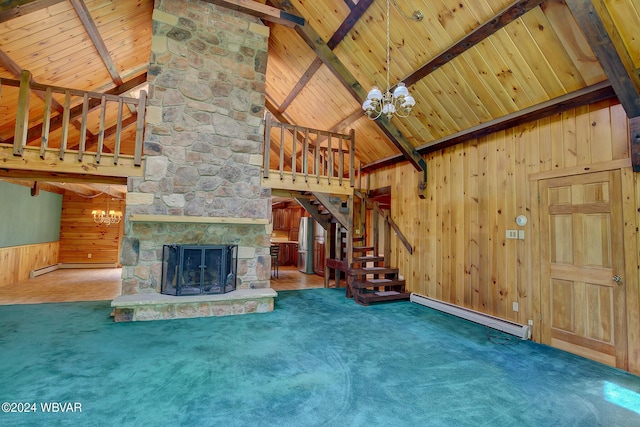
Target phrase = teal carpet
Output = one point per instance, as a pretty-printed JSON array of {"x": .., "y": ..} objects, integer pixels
[{"x": 317, "y": 360}]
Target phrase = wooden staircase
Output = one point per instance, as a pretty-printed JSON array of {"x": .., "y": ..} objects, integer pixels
[
  {"x": 370, "y": 280},
  {"x": 368, "y": 275}
]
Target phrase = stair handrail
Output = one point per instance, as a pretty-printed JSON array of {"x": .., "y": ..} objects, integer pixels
[{"x": 395, "y": 227}]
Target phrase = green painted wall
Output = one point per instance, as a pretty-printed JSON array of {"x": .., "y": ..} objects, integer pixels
[{"x": 25, "y": 220}]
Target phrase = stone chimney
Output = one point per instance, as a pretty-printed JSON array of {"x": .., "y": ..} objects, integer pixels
[{"x": 203, "y": 144}]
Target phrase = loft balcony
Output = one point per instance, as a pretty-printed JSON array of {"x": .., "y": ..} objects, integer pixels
[
  {"x": 50, "y": 129},
  {"x": 302, "y": 159}
]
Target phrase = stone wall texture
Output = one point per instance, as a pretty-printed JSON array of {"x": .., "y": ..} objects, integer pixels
[{"x": 203, "y": 141}]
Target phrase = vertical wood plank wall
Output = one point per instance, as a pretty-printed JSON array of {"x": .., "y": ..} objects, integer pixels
[
  {"x": 80, "y": 236},
  {"x": 18, "y": 261},
  {"x": 475, "y": 192}
]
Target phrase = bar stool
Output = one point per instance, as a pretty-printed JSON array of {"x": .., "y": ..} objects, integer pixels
[{"x": 275, "y": 252}]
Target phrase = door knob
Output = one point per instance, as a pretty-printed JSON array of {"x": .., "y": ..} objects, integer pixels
[{"x": 617, "y": 278}]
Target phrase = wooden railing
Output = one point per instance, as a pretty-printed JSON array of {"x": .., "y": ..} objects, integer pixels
[
  {"x": 72, "y": 128},
  {"x": 308, "y": 159}
]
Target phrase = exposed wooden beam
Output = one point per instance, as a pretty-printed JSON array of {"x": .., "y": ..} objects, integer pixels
[
  {"x": 92, "y": 140},
  {"x": 60, "y": 177},
  {"x": 92, "y": 30},
  {"x": 313, "y": 39},
  {"x": 10, "y": 65},
  {"x": 35, "y": 189},
  {"x": 350, "y": 4},
  {"x": 261, "y": 11},
  {"x": 338, "y": 36},
  {"x": 502, "y": 19},
  {"x": 346, "y": 26},
  {"x": 607, "y": 44},
  {"x": 39, "y": 185},
  {"x": 598, "y": 92},
  {"x": 306, "y": 77},
  {"x": 347, "y": 121},
  {"x": 15, "y": 8}
]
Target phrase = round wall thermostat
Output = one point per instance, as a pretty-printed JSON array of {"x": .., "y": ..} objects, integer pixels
[{"x": 521, "y": 220}]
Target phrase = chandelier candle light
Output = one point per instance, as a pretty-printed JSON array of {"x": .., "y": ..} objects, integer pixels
[
  {"x": 107, "y": 217},
  {"x": 399, "y": 103}
]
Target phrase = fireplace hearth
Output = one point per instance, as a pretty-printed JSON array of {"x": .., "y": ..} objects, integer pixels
[{"x": 196, "y": 269}]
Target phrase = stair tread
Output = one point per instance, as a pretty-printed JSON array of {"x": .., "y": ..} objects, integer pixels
[
  {"x": 362, "y": 248},
  {"x": 368, "y": 258},
  {"x": 376, "y": 283},
  {"x": 366, "y": 299},
  {"x": 382, "y": 282},
  {"x": 373, "y": 270}
]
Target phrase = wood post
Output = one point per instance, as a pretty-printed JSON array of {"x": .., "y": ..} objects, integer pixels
[
  {"x": 142, "y": 108},
  {"x": 634, "y": 140},
  {"x": 352, "y": 156},
  {"x": 22, "y": 115},
  {"x": 65, "y": 124},
  {"x": 83, "y": 126},
  {"x": 46, "y": 123},
  {"x": 116, "y": 146}
]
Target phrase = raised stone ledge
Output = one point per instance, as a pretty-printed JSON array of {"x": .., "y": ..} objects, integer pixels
[
  {"x": 197, "y": 219},
  {"x": 155, "y": 306}
]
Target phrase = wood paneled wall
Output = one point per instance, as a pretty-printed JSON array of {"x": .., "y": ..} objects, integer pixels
[
  {"x": 18, "y": 261},
  {"x": 475, "y": 192},
  {"x": 84, "y": 241}
]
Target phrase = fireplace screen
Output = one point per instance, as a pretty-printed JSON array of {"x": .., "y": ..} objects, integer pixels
[{"x": 194, "y": 270}]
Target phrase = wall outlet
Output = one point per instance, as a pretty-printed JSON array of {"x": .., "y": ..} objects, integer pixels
[
  {"x": 530, "y": 322},
  {"x": 515, "y": 306},
  {"x": 88, "y": 255},
  {"x": 512, "y": 234}
]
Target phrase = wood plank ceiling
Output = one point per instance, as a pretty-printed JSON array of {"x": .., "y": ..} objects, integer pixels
[{"x": 473, "y": 66}]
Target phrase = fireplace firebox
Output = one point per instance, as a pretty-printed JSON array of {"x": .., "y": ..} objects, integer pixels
[{"x": 195, "y": 270}]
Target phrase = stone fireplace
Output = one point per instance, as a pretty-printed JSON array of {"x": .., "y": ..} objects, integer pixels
[
  {"x": 198, "y": 270},
  {"x": 203, "y": 156}
]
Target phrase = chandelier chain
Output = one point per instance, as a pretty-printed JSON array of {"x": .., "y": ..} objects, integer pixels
[
  {"x": 400, "y": 102},
  {"x": 388, "y": 45}
]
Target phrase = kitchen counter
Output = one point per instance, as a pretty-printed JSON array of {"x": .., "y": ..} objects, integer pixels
[{"x": 278, "y": 241}]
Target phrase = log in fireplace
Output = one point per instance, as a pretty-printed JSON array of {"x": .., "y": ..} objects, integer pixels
[{"x": 195, "y": 270}]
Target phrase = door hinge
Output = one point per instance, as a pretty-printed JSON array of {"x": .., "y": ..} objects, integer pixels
[
  {"x": 540, "y": 316},
  {"x": 538, "y": 197}
]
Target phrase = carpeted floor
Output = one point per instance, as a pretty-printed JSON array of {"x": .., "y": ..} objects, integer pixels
[{"x": 317, "y": 360}]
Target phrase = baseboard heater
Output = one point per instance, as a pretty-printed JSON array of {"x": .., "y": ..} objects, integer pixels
[
  {"x": 521, "y": 331},
  {"x": 44, "y": 270}
]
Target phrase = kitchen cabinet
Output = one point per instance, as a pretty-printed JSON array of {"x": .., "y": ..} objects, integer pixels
[
  {"x": 288, "y": 253},
  {"x": 318, "y": 257}
]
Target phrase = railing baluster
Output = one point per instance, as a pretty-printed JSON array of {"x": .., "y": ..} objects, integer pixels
[
  {"x": 316, "y": 153},
  {"x": 329, "y": 160},
  {"x": 46, "y": 123},
  {"x": 340, "y": 161},
  {"x": 281, "y": 151},
  {"x": 305, "y": 156},
  {"x": 294, "y": 153},
  {"x": 116, "y": 147},
  {"x": 22, "y": 114},
  {"x": 65, "y": 123},
  {"x": 267, "y": 146},
  {"x": 142, "y": 108},
  {"x": 103, "y": 112},
  {"x": 352, "y": 156},
  {"x": 83, "y": 126}
]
